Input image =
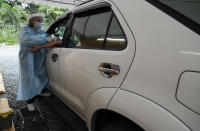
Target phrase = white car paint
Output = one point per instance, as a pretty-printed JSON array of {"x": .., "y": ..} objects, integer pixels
[
  {"x": 189, "y": 96},
  {"x": 164, "y": 49},
  {"x": 150, "y": 116},
  {"x": 161, "y": 57},
  {"x": 98, "y": 100},
  {"x": 52, "y": 69}
]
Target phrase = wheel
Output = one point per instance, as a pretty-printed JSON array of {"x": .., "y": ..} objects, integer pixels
[{"x": 121, "y": 126}]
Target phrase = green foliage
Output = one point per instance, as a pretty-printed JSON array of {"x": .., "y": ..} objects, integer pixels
[
  {"x": 51, "y": 13},
  {"x": 2, "y": 36},
  {"x": 9, "y": 35},
  {"x": 32, "y": 8},
  {"x": 1, "y": 3},
  {"x": 11, "y": 2},
  {"x": 13, "y": 16}
]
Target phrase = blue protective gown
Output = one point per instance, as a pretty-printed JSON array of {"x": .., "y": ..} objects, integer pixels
[{"x": 33, "y": 77}]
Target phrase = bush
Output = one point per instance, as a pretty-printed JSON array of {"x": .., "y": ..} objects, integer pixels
[
  {"x": 13, "y": 14},
  {"x": 9, "y": 35}
]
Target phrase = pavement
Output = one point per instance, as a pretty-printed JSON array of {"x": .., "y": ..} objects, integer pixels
[{"x": 55, "y": 116}]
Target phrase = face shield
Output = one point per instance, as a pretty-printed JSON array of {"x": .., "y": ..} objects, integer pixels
[{"x": 33, "y": 16}]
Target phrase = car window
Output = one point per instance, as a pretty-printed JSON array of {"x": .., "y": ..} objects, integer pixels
[
  {"x": 88, "y": 31},
  {"x": 184, "y": 11},
  {"x": 189, "y": 8},
  {"x": 116, "y": 39},
  {"x": 59, "y": 28}
]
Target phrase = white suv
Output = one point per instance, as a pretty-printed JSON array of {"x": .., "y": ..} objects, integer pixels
[{"x": 129, "y": 64}]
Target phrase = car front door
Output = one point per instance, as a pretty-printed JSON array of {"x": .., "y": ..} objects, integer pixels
[
  {"x": 99, "y": 53},
  {"x": 53, "y": 56}
]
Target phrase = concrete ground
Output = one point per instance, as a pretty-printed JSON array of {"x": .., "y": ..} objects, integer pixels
[{"x": 51, "y": 117}]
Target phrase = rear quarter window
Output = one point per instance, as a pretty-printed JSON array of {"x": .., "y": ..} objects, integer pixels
[{"x": 185, "y": 11}]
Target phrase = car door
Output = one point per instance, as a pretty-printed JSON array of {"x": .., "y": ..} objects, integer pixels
[
  {"x": 99, "y": 53},
  {"x": 52, "y": 61}
]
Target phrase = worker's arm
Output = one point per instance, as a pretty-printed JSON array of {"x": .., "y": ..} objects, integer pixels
[
  {"x": 28, "y": 39},
  {"x": 48, "y": 45}
]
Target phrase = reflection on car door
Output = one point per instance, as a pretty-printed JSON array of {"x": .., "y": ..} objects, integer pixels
[{"x": 98, "y": 55}]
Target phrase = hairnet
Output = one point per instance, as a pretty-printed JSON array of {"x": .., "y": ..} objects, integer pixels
[{"x": 33, "y": 15}]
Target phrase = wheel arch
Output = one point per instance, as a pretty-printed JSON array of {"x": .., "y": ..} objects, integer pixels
[
  {"x": 102, "y": 117},
  {"x": 130, "y": 106},
  {"x": 146, "y": 113}
]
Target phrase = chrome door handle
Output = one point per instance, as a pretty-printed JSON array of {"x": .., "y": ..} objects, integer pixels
[
  {"x": 54, "y": 57},
  {"x": 108, "y": 69}
]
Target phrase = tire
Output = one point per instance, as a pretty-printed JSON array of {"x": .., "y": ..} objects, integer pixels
[{"x": 121, "y": 126}]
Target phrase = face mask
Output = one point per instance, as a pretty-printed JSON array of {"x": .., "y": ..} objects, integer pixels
[{"x": 38, "y": 26}]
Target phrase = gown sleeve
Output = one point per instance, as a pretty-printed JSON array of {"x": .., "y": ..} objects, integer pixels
[{"x": 29, "y": 39}]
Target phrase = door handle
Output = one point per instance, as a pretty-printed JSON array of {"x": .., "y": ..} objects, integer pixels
[
  {"x": 109, "y": 69},
  {"x": 54, "y": 57}
]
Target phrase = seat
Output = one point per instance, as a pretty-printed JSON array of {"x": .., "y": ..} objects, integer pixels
[{"x": 91, "y": 43}]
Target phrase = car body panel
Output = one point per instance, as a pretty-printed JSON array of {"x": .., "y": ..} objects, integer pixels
[
  {"x": 96, "y": 101},
  {"x": 188, "y": 90},
  {"x": 79, "y": 74},
  {"x": 52, "y": 69},
  {"x": 159, "y": 50},
  {"x": 149, "y": 115},
  {"x": 161, "y": 56}
]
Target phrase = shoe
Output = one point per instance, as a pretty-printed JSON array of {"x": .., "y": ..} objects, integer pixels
[
  {"x": 31, "y": 107},
  {"x": 45, "y": 94}
]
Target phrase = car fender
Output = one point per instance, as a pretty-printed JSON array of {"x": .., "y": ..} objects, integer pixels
[
  {"x": 97, "y": 100},
  {"x": 146, "y": 113}
]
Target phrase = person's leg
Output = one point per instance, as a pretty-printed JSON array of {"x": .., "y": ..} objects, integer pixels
[
  {"x": 45, "y": 93},
  {"x": 30, "y": 105},
  {"x": 31, "y": 101}
]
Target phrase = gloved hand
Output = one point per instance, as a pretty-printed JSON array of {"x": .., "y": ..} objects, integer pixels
[
  {"x": 49, "y": 39},
  {"x": 56, "y": 38},
  {"x": 34, "y": 49}
]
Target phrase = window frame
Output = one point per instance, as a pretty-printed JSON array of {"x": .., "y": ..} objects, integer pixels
[
  {"x": 57, "y": 23},
  {"x": 192, "y": 25},
  {"x": 120, "y": 26},
  {"x": 107, "y": 28}
]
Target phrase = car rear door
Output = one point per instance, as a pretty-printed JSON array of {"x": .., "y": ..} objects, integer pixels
[{"x": 100, "y": 51}]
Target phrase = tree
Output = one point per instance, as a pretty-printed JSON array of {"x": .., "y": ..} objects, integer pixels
[
  {"x": 11, "y": 2},
  {"x": 51, "y": 13},
  {"x": 12, "y": 15},
  {"x": 31, "y": 7}
]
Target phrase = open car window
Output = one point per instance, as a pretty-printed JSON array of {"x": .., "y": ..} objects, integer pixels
[
  {"x": 59, "y": 29},
  {"x": 59, "y": 26}
]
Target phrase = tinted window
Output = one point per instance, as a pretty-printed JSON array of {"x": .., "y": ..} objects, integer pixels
[
  {"x": 97, "y": 30},
  {"x": 89, "y": 31},
  {"x": 189, "y": 8},
  {"x": 185, "y": 11},
  {"x": 116, "y": 39},
  {"x": 97, "y": 25}
]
